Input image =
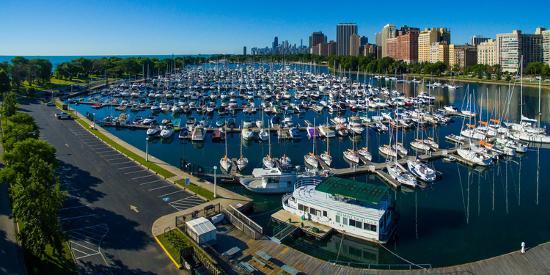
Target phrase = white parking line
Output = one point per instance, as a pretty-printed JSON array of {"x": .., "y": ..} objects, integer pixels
[
  {"x": 171, "y": 193},
  {"x": 141, "y": 177},
  {"x": 77, "y": 217},
  {"x": 137, "y": 171},
  {"x": 143, "y": 183},
  {"x": 131, "y": 166},
  {"x": 160, "y": 187},
  {"x": 115, "y": 157},
  {"x": 119, "y": 162},
  {"x": 73, "y": 207},
  {"x": 107, "y": 152}
]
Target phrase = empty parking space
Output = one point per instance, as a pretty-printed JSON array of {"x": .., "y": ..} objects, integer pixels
[
  {"x": 184, "y": 203},
  {"x": 85, "y": 242}
]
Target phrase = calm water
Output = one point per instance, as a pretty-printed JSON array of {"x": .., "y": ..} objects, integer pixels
[
  {"x": 468, "y": 215},
  {"x": 56, "y": 60}
]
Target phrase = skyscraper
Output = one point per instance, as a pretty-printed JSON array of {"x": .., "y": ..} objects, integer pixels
[
  {"x": 275, "y": 45},
  {"x": 354, "y": 44},
  {"x": 244, "y": 50},
  {"x": 429, "y": 36},
  {"x": 388, "y": 31},
  {"x": 364, "y": 40},
  {"x": 343, "y": 33},
  {"x": 317, "y": 37},
  {"x": 546, "y": 47}
]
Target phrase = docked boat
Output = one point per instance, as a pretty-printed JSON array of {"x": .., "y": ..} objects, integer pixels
[
  {"x": 474, "y": 157},
  {"x": 421, "y": 170},
  {"x": 153, "y": 130},
  {"x": 346, "y": 206},
  {"x": 166, "y": 132},
  {"x": 351, "y": 155},
  {"x": 271, "y": 180},
  {"x": 198, "y": 133},
  {"x": 400, "y": 174}
]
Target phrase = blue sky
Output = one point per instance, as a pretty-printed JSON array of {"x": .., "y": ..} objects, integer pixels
[{"x": 102, "y": 27}]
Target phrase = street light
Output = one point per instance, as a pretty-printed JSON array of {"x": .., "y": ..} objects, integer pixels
[
  {"x": 215, "y": 168},
  {"x": 146, "y": 148}
]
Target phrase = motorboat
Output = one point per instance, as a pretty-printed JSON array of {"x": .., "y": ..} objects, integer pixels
[
  {"x": 421, "y": 170},
  {"x": 400, "y": 174}
]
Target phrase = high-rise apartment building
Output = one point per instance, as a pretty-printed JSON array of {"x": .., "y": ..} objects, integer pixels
[
  {"x": 370, "y": 49},
  {"x": 332, "y": 47},
  {"x": 244, "y": 50},
  {"x": 317, "y": 37},
  {"x": 343, "y": 33},
  {"x": 487, "y": 53},
  {"x": 439, "y": 52},
  {"x": 404, "y": 46},
  {"x": 546, "y": 47},
  {"x": 462, "y": 56},
  {"x": 429, "y": 36},
  {"x": 354, "y": 44},
  {"x": 511, "y": 47},
  {"x": 364, "y": 40},
  {"x": 388, "y": 31},
  {"x": 477, "y": 39}
]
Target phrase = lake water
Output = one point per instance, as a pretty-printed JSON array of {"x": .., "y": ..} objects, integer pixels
[{"x": 469, "y": 214}]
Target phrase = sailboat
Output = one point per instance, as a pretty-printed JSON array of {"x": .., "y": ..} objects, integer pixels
[
  {"x": 225, "y": 162},
  {"x": 242, "y": 162},
  {"x": 364, "y": 152},
  {"x": 310, "y": 159},
  {"x": 396, "y": 170},
  {"x": 350, "y": 154},
  {"x": 267, "y": 161},
  {"x": 325, "y": 156}
]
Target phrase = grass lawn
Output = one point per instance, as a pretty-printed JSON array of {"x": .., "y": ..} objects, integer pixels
[
  {"x": 197, "y": 189},
  {"x": 175, "y": 240},
  {"x": 171, "y": 240},
  {"x": 51, "y": 264},
  {"x": 58, "y": 81}
]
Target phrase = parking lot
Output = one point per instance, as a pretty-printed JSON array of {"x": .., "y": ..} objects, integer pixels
[{"x": 111, "y": 202}]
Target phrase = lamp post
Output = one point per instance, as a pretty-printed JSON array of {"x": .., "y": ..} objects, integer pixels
[
  {"x": 215, "y": 168},
  {"x": 146, "y": 148}
]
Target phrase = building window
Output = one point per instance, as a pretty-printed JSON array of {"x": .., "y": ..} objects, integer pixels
[
  {"x": 337, "y": 219},
  {"x": 351, "y": 222},
  {"x": 370, "y": 227},
  {"x": 325, "y": 213},
  {"x": 301, "y": 207},
  {"x": 313, "y": 211},
  {"x": 345, "y": 221}
]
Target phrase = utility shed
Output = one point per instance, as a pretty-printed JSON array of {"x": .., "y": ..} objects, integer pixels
[{"x": 201, "y": 230}]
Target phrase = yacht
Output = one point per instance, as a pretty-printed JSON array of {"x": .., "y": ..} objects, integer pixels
[
  {"x": 421, "y": 170},
  {"x": 198, "y": 133},
  {"x": 400, "y": 174},
  {"x": 225, "y": 163},
  {"x": 153, "y": 130},
  {"x": 271, "y": 181},
  {"x": 474, "y": 157},
  {"x": 345, "y": 206},
  {"x": 166, "y": 132},
  {"x": 351, "y": 156}
]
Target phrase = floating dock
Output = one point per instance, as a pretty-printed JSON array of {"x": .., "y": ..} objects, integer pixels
[{"x": 317, "y": 230}]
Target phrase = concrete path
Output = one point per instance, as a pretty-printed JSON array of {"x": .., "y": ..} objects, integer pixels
[{"x": 11, "y": 255}]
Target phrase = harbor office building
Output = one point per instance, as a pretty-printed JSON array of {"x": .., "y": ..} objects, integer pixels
[{"x": 357, "y": 209}]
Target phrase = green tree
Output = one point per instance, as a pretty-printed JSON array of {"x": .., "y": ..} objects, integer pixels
[
  {"x": 15, "y": 131},
  {"x": 9, "y": 106},
  {"x": 37, "y": 199},
  {"x": 5, "y": 85}
]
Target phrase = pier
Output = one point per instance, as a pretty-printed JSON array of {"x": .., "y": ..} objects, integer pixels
[{"x": 317, "y": 230}]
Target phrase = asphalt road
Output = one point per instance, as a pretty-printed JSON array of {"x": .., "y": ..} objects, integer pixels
[{"x": 112, "y": 201}]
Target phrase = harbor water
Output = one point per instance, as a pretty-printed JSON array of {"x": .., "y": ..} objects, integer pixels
[{"x": 468, "y": 214}]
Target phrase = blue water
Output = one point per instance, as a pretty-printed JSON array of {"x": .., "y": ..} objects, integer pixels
[
  {"x": 469, "y": 214},
  {"x": 56, "y": 60}
]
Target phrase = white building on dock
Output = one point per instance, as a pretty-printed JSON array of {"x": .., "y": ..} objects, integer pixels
[{"x": 357, "y": 209}]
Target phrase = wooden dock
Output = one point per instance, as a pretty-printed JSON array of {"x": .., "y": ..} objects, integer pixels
[{"x": 317, "y": 230}]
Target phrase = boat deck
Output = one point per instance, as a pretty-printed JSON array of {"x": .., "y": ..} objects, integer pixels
[{"x": 311, "y": 228}]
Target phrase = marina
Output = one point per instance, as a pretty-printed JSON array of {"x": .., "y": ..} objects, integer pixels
[{"x": 283, "y": 125}]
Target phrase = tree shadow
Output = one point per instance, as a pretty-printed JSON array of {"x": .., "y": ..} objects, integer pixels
[{"x": 78, "y": 183}]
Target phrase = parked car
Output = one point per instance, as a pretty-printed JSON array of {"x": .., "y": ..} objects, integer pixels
[{"x": 62, "y": 115}]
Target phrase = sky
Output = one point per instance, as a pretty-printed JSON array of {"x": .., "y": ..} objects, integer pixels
[{"x": 119, "y": 27}]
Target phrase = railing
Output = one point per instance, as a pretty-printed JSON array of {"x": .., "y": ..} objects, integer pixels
[
  {"x": 306, "y": 181},
  {"x": 243, "y": 223},
  {"x": 382, "y": 266}
]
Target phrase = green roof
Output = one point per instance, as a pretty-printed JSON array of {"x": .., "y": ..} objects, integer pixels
[{"x": 366, "y": 192}]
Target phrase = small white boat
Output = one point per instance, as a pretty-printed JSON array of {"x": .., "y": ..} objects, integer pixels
[
  {"x": 311, "y": 160},
  {"x": 421, "y": 170},
  {"x": 351, "y": 156},
  {"x": 225, "y": 163}
]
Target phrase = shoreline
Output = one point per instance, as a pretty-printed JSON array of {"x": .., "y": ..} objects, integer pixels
[{"x": 530, "y": 84}]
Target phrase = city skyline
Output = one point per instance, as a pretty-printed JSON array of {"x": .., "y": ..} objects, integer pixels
[{"x": 169, "y": 27}]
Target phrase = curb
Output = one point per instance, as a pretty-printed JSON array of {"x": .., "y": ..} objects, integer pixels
[{"x": 178, "y": 266}]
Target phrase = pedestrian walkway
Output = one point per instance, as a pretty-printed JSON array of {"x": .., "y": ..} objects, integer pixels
[{"x": 11, "y": 255}]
